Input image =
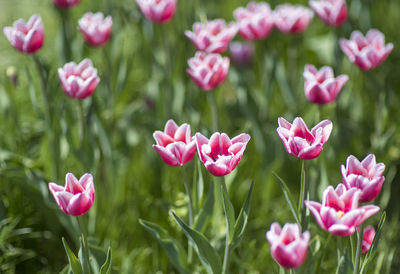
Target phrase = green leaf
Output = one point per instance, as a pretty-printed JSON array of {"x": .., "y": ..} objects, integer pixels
[
  {"x": 73, "y": 260},
  {"x": 206, "y": 212},
  {"x": 206, "y": 252},
  {"x": 171, "y": 246},
  {"x": 345, "y": 265},
  {"x": 81, "y": 256},
  {"x": 106, "y": 267},
  {"x": 288, "y": 196},
  {"x": 228, "y": 210},
  {"x": 241, "y": 221}
]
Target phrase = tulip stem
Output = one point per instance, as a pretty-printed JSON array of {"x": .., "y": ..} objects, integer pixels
[
  {"x": 65, "y": 30},
  {"x": 304, "y": 195},
  {"x": 358, "y": 252},
  {"x": 214, "y": 110},
  {"x": 85, "y": 244},
  {"x": 339, "y": 248},
  {"x": 190, "y": 208},
  {"x": 227, "y": 255}
]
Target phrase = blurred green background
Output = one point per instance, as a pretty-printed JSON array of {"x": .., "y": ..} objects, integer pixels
[{"x": 143, "y": 84}]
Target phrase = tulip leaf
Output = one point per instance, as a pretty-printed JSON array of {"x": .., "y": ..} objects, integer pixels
[
  {"x": 228, "y": 210},
  {"x": 106, "y": 267},
  {"x": 206, "y": 211},
  {"x": 344, "y": 265},
  {"x": 72, "y": 259},
  {"x": 241, "y": 221},
  {"x": 81, "y": 256},
  {"x": 206, "y": 252},
  {"x": 288, "y": 196},
  {"x": 171, "y": 246}
]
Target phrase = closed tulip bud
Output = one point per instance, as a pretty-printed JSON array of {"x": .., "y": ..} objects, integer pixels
[
  {"x": 331, "y": 12},
  {"x": 157, "y": 11},
  {"x": 76, "y": 197},
  {"x": 292, "y": 18},
  {"x": 368, "y": 237},
  {"x": 95, "y": 29},
  {"x": 66, "y": 3},
  {"x": 78, "y": 81},
  {"x": 26, "y": 37}
]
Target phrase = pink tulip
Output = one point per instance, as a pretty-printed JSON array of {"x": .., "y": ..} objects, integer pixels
[
  {"x": 288, "y": 245},
  {"x": 255, "y": 21},
  {"x": 79, "y": 81},
  {"x": 366, "y": 52},
  {"x": 299, "y": 141},
  {"x": 292, "y": 18},
  {"x": 212, "y": 36},
  {"x": 208, "y": 70},
  {"x": 332, "y": 12},
  {"x": 96, "y": 29},
  {"x": 26, "y": 37},
  {"x": 366, "y": 176},
  {"x": 220, "y": 155},
  {"x": 66, "y": 3},
  {"x": 339, "y": 213},
  {"x": 321, "y": 86},
  {"x": 157, "y": 11},
  {"x": 77, "y": 197},
  {"x": 368, "y": 237},
  {"x": 242, "y": 54},
  {"x": 175, "y": 145}
]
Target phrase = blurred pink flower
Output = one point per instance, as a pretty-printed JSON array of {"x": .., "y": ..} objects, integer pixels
[
  {"x": 95, "y": 28},
  {"x": 79, "y": 80},
  {"x": 66, "y": 3},
  {"x": 332, "y": 12},
  {"x": 26, "y": 37},
  {"x": 321, "y": 86},
  {"x": 208, "y": 70},
  {"x": 288, "y": 245},
  {"x": 157, "y": 11},
  {"x": 292, "y": 18},
  {"x": 368, "y": 237},
  {"x": 220, "y": 155},
  {"x": 77, "y": 197},
  {"x": 366, "y": 52},
  {"x": 175, "y": 145},
  {"x": 212, "y": 36},
  {"x": 242, "y": 54},
  {"x": 366, "y": 175},
  {"x": 255, "y": 21},
  {"x": 299, "y": 141},
  {"x": 339, "y": 213}
]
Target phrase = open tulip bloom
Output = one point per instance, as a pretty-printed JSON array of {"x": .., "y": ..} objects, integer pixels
[
  {"x": 95, "y": 29},
  {"x": 292, "y": 18},
  {"x": 321, "y": 86},
  {"x": 288, "y": 245},
  {"x": 175, "y": 145},
  {"x": 339, "y": 213},
  {"x": 331, "y": 12},
  {"x": 219, "y": 154},
  {"x": 157, "y": 11},
  {"x": 26, "y": 37},
  {"x": 299, "y": 141},
  {"x": 76, "y": 197},
  {"x": 366, "y": 175},
  {"x": 255, "y": 21},
  {"x": 366, "y": 52},
  {"x": 66, "y": 3},
  {"x": 79, "y": 80},
  {"x": 212, "y": 36}
]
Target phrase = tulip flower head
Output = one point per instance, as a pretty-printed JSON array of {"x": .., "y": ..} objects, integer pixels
[
  {"x": 219, "y": 154},
  {"x": 321, "y": 86},
  {"x": 157, "y": 11},
  {"x": 66, "y": 3},
  {"x": 26, "y": 37},
  {"x": 212, "y": 36},
  {"x": 208, "y": 70},
  {"x": 79, "y": 80},
  {"x": 76, "y": 197},
  {"x": 95, "y": 29},
  {"x": 242, "y": 54},
  {"x": 175, "y": 145},
  {"x": 368, "y": 237},
  {"x": 331, "y": 12},
  {"x": 339, "y": 213},
  {"x": 254, "y": 22},
  {"x": 299, "y": 141},
  {"x": 292, "y": 18},
  {"x": 366, "y": 52},
  {"x": 366, "y": 175},
  {"x": 288, "y": 245}
]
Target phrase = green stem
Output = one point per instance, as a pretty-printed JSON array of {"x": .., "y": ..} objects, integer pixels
[
  {"x": 83, "y": 134},
  {"x": 227, "y": 255},
  {"x": 65, "y": 30},
  {"x": 108, "y": 77},
  {"x": 214, "y": 110},
  {"x": 304, "y": 195},
  {"x": 190, "y": 207},
  {"x": 339, "y": 248},
  {"x": 358, "y": 252},
  {"x": 85, "y": 244}
]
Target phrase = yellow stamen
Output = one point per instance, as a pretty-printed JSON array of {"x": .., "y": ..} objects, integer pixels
[{"x": 340, "y": 214}]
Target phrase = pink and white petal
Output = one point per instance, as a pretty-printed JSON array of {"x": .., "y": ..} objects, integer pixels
[
  {"x": 326, "y": 126},
  {"x": 369, "y": 210},
  {"x": 217, "y": 169},
  {"x": 315, "y": 209},
  {"x": 170, "y": 128},
  {"x": 79, "y": 204},
  {"x": 310, "y": 152},
  {"x": 200, "y": 141},
  {"x": 162, "y": 139},
  {"x": 241, "y": 138},
  {"x": 341, "y": 230},
  {"x": 72, "y": 184},
  {"x": 166, "y": 155}
]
